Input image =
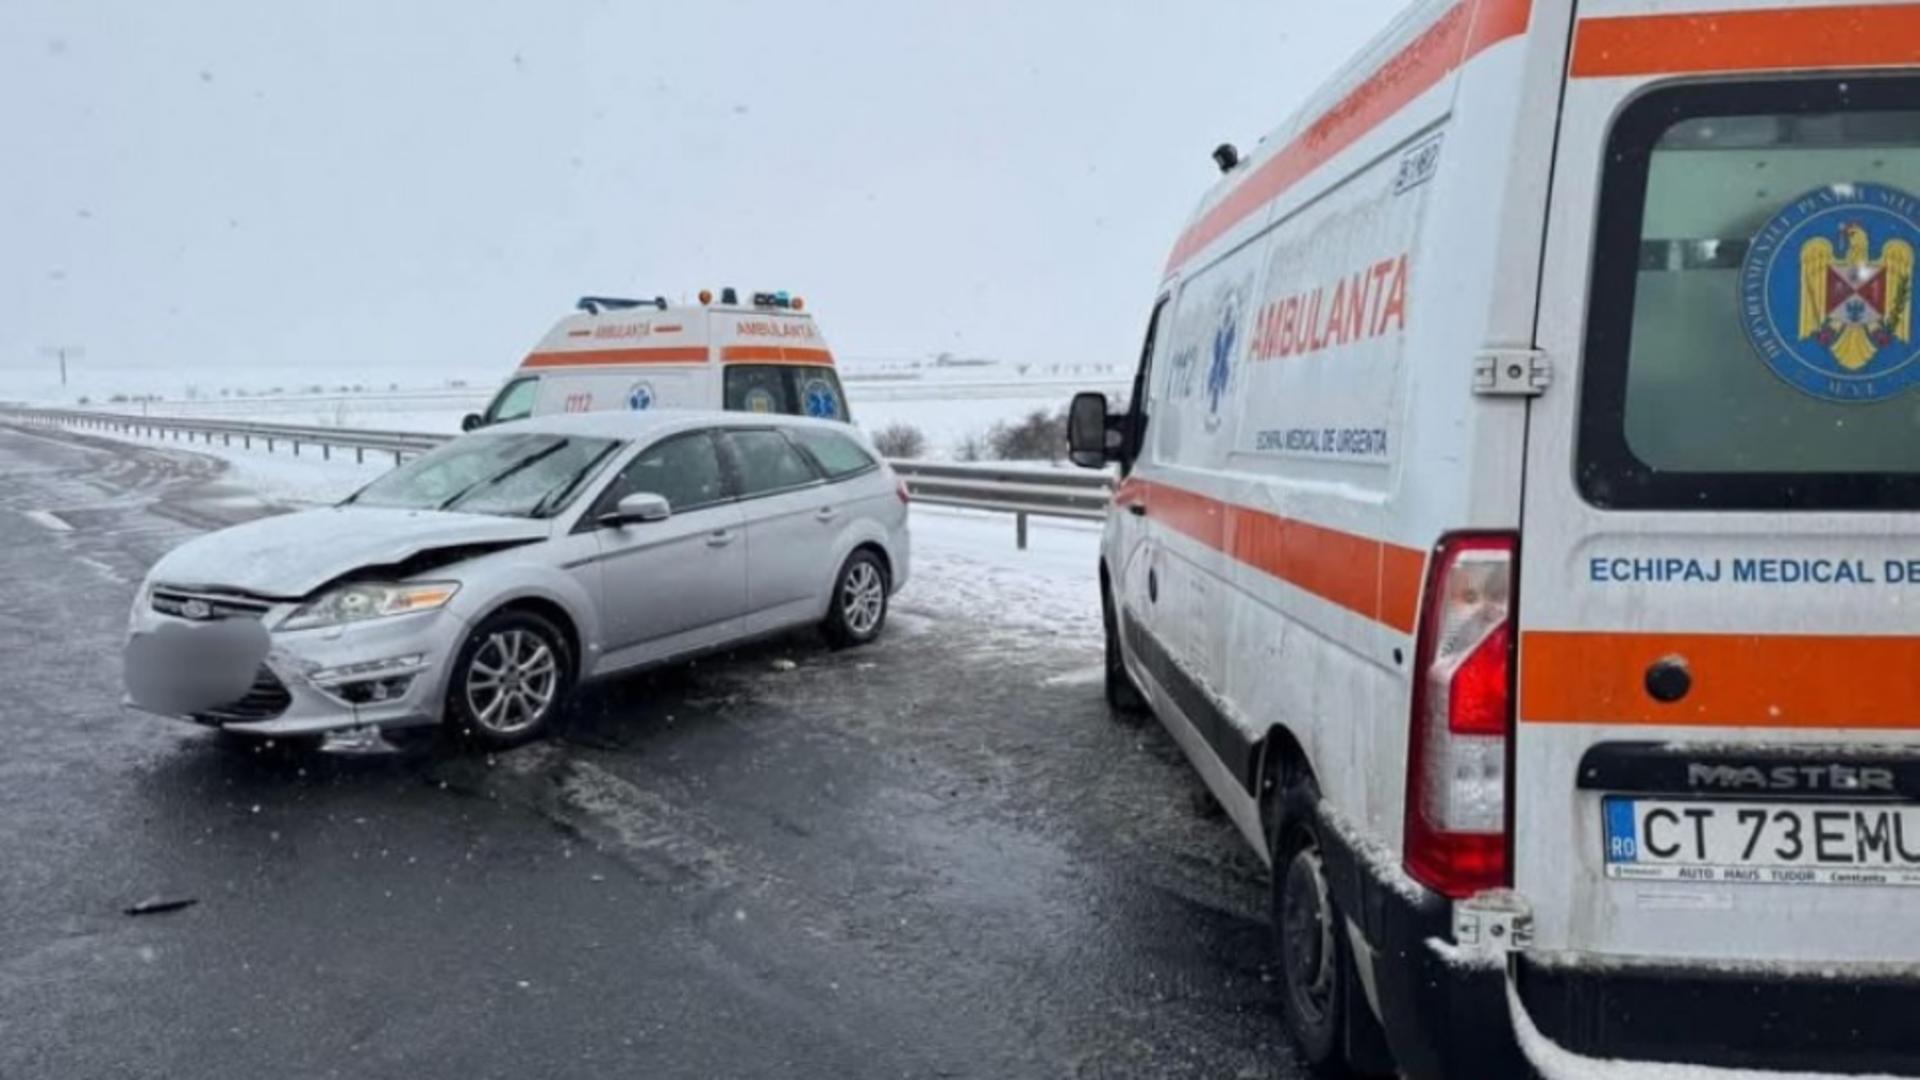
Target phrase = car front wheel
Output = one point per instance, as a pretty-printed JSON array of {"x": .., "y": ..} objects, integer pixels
[{"x": 510, "y": 680}]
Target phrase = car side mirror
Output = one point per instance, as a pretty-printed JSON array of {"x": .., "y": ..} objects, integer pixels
[
  {"x": 641, "y": 506},
  {"x": 471, "y": 420},
  {"x": 1088, "y": 443}
]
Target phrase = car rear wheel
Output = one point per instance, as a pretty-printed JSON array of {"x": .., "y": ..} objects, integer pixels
[
  {"x": 859, "y": 607},
  {"x": 510, "y": 681}
]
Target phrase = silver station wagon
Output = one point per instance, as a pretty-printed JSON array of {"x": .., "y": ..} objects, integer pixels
[{"x": 478, "y": 585}]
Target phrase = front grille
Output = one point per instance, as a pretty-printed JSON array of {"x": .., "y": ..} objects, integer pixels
[
  {"x": 264, "y": 700},
  {"x": 202, "y": 605}
]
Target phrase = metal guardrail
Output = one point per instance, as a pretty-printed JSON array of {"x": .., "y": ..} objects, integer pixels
[
  {"x": 244, "y": 433},
  {"x": 1021, "y": 491}
]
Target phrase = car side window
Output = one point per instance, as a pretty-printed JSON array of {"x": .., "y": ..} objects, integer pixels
[
  {"x": 837, "y": 455},
  {"x": 764, "y": 461},
  {"x": 515, "y": 401},
  {"x": 684, "y": 469}
]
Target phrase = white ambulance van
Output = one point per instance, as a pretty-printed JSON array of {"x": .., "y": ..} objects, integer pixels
[
  {"x": 763, "y": 356},
  {"x": 1520, "y": 532}
]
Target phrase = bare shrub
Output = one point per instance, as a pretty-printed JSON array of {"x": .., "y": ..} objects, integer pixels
[
  {"x": 971, "y": 447},
  {"x": 900, "y": 440},
  {"x": 1041, "y": 435}
]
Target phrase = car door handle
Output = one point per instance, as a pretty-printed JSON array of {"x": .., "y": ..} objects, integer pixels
[
  {"x": 1137, "y": 509},
  {"x": 720, "y": 538},
  {"x": 825, "y": 513}
]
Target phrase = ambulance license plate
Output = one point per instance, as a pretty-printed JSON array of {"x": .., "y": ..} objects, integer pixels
[{"x": 1814, "y": 843}]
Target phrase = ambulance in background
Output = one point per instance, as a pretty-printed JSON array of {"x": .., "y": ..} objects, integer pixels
[
  {"x": 1520, "y": 533},
  {"x": 765, "y": 356}
]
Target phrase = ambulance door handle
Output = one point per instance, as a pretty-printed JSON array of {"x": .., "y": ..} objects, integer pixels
[
  {"x": 1137, "y": 509},
  {"x": 826, "y": 513},
  {"x": 719, "y": 538}
]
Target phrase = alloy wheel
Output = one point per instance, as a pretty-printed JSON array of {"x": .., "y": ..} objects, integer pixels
[
  {"x": 863, "y": 597},
  {"x": 511, "y": 682}
]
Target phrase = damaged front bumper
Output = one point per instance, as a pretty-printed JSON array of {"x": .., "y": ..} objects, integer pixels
[{"x": 375, "y": 674}]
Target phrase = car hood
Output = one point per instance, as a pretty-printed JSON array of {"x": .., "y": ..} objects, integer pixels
[{"x": 291, "y": 555}]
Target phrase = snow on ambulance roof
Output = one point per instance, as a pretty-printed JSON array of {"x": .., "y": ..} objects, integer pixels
[{"x": 660, "y": 333}]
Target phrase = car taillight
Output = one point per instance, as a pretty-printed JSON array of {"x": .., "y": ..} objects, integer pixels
[
  {"x": 1456, "y": 828},
  {"x": 901, "y": 490}
]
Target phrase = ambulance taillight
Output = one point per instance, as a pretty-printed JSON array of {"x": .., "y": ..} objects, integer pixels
[{"x": 1457, "y": 757}]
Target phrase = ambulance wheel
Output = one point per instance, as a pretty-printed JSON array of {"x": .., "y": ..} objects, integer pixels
[
  {"x": 859, "y": 606},
  {"x": 1123, "y": 697},
  {"x": 1331, "y": 1024}
]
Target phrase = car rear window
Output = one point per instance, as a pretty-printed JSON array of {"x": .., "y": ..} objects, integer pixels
[
  {"x": 838, "y": 455},
  {"x": 788, "y": 389},
  {"x": 766, "y": 462},
  {"x": 1750, "y": 340}
]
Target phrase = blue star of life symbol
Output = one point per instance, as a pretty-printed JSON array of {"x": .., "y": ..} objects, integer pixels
[
  {"x": 820, "y": 402},
  {"x": 641, "y": 398},
  {"x": 1221, "y": 369}
]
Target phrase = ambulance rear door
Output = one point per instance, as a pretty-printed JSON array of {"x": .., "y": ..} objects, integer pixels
[
  {"x": 776, "y": 361},
  {"x": 1719, "y": 683}
]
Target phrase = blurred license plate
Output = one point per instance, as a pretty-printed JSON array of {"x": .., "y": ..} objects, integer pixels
[{"x": 1762, "y": 843}]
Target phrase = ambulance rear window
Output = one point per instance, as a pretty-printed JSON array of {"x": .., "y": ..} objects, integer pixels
[
  {"x": 1750, "y": 336},
  {"x": 787, "y": 389}
]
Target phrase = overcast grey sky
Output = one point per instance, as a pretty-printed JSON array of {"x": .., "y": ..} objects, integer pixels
[{"x": 250, "y": 193}]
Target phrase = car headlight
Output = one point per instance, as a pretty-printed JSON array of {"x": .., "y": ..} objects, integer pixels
[{"x": 369, "y": 600}]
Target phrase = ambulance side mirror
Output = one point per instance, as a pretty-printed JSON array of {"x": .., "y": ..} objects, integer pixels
[
  {"x": 1090, "y": 442},
  {"x": 470, "y": 421}
]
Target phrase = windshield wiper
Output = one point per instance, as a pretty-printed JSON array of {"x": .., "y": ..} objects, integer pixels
[
  {"x": 515, "y": 469},
  {"x": 559, "y": 495}
]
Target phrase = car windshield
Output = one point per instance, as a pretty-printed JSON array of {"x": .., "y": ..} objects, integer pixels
[{"x": 510, "y": 475}]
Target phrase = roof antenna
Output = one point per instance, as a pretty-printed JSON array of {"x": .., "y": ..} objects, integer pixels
[{"x": 1226, "y": 155}]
